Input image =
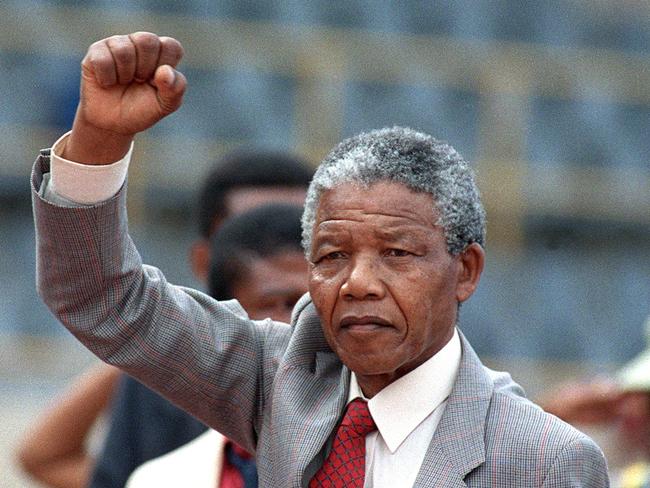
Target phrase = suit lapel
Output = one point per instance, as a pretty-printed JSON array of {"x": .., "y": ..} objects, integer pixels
[
  {"x": 458, "y": 446},
  {"x": 316, "y": 385},
  {"x": 323, "y": 422}
]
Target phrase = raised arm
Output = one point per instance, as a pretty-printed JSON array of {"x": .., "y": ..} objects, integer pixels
[{"x": 205, "y": 356}]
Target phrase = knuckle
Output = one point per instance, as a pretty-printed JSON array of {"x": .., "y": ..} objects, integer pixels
[
  {"x": 97, "y": 45},
  {"x": 144, "y": 34},
  {"x": 122, "y": 55},
  {"x": 96, "y": 49},
  {"x": 118, "y": 40},
  {"x": 145, "y": 41},
  {"x": 173, "y": 48},
  {"x": 96, "y": 61}
]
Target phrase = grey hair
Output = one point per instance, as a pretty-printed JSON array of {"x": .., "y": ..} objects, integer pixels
[{"x": 418, "y": 161}]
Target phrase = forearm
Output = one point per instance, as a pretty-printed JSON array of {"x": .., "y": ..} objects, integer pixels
[
  {"x": 54, "y": 449},
  {"x": 72, "y": 472}
]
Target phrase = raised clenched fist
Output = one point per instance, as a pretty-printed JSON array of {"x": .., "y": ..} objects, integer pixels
[{"x": 128, "y": 83}]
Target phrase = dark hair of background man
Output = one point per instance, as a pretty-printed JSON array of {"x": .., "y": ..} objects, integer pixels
[
  {"x": 247, "y": 169},
  {"x": 259, "y": 233}
]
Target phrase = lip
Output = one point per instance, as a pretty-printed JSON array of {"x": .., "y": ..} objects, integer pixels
[{"x": 367, "y": 322}]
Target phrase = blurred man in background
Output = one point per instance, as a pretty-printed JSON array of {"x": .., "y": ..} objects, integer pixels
[{"x": 242, "y": 180}]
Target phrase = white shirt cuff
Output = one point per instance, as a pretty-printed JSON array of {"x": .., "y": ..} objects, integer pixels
[{"x": 86, "y": 184}]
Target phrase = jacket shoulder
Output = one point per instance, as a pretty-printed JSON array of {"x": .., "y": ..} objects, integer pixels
[{"x": 540, "y": 445}]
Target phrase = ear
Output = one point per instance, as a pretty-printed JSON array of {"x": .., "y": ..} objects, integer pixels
[
  {"x": 200, "y": 259},
  {"x": 471, "y": 262}
]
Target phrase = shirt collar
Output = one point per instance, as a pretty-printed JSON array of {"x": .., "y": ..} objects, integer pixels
[{"x": 402, "y": 405}]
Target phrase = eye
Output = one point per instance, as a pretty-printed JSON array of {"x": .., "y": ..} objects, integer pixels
[
  {"x": 397, "y": 253},
  {"x": 334, "y": 255},
  {"x": 330, "y": 256}
]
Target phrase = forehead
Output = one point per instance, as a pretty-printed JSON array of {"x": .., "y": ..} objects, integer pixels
[
  {"x": 243, "y": 198},
  {"x": 382, "y": 203},
  {"x": 280, "y": 271}
]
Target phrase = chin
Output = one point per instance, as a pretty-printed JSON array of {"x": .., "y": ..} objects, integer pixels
[{"x": 367, "y": 364}]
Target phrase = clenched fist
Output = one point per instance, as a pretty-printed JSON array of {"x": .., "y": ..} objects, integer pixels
[{"x": 128, "y": 83}]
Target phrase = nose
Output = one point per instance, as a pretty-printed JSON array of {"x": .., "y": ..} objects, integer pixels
[{"x": 364, "y": 281}]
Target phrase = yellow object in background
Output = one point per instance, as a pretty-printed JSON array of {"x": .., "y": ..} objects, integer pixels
[{"x": 634, "y": 476}]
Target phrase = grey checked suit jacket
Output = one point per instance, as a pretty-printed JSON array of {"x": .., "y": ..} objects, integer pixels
[{"x": 276, "y": 390}]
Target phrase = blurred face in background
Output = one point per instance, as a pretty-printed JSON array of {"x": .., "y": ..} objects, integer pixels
[
  {"x": 269, "y": 287},
  {"x": 239, "y": 200}
]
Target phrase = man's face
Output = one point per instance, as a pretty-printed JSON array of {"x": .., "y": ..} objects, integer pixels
[
  {"x": 385, "y": 287},
  {"x": 270, "y": 287}
]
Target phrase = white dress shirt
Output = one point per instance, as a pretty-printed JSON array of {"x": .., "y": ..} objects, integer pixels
[
  {"x": 197, "y": 464},
  {"x": 407, "y": 411},
  {"x": 85, "y": 184}
]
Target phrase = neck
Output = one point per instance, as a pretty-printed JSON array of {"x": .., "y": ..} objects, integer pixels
[{"x": 372, "y": 384}]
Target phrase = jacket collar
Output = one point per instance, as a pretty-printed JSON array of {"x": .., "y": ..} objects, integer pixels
[
  {"x": 458, "y": 445},
  {"x": 317, "y": 372}
]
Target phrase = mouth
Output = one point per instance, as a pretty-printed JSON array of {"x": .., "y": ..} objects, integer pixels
[{"x": 361, "y": 324}]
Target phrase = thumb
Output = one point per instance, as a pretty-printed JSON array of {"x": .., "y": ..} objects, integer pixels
[{"x": 170, "y": 86}]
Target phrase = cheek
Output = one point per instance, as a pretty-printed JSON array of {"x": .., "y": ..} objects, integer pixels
[
  {"x": 425, "y": 297},
  {"x": 416, "y": 291},
  {"x": 321, "y": 296},
  {"x": 321, "y": 291}
]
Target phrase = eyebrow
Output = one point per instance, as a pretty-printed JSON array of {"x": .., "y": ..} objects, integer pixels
[
  {"x": 402, "y": 233},
  {"x": 329, "y": 238},
  {"x": 329, "y": 229}
]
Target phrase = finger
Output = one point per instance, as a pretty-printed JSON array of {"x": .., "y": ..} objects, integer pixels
[
  {"x": 170, "y": 85},
  {"x": 147, "y": 48},
  {"x": 99, "y": 63},
  {"x": 171, "y": 51},
  {"x": 123, "y": 52}
]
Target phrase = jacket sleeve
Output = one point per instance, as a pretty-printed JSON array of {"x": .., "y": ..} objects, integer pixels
[{"x": 206, "y": 356}]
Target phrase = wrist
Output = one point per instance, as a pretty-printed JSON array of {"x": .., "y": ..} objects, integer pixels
[{"x": 88, "y": 144}]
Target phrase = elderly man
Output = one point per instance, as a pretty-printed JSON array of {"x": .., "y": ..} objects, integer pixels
[{"x": 374, "y": 386}]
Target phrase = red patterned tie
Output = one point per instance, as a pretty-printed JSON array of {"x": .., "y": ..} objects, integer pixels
[{"x": 345, "y": 467}]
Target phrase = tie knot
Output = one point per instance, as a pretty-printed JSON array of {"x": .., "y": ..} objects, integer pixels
[{"x": 358, "y": 419}]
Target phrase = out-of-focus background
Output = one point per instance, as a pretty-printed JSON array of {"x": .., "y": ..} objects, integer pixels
[{"x": 549, "y": 100}]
